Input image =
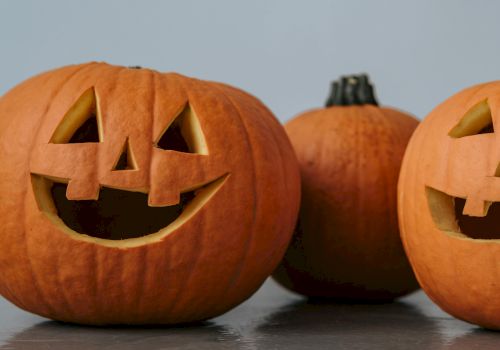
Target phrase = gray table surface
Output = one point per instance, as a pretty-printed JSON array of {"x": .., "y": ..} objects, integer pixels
[{"x": 272, "y": 319}]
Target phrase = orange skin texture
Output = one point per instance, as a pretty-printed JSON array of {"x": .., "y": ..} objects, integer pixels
[
  {"x": 460, "y": 274},
  {"x": 211, "y": 263},
  {"x": 347, "y": 243}
]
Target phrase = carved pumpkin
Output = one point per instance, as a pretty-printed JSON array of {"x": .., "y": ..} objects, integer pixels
[
  {"x": 131, "y": 196},
  {"x": 347, "y": 243},
  {"x": 449, "y": 210}
]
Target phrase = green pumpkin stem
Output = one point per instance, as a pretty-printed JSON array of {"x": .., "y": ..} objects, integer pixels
[{"x": 351, "y": 90}]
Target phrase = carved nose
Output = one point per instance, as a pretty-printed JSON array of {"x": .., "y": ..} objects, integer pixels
[{"x": 126, "y": 159}]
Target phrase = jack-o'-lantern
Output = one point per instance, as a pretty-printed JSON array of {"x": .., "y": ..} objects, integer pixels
[
  {"x": 449, "y": 211},
  {"x": 129, "y": 196},
  {"x": 347, "y": 243}
]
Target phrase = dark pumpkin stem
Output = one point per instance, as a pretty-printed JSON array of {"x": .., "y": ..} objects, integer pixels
[
  {"x": 351, "y": 90},
  {"x": 134, "y": 67}
]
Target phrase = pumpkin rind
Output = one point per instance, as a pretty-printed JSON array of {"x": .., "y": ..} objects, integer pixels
[
  {"x": 347, "y": 243},
  {"x": 459, "y": 273},
  {"x": 212, "y": 262}
]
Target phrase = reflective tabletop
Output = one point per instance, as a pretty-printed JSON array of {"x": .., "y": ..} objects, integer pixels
[{"x": 272, "y": 319}]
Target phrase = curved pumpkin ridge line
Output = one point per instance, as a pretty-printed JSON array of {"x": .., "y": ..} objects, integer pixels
[
  {"x": 284, "y": 184},
  {"x": 319, "y": 147},
  {"x": 359, "y": 224},
  {"x": 96, "y": 249},
  {"x": 394, "y": 127},
  {"x": 142, "y": 250},
  {"x": 119, "y": 267},
  {"x": 195, "y": 260},
  {"x": 386, "y": 165},
  {"x": 160, "y": 79},
  {"x": 12, "y": 295},
  {"x": 68, "y": 300},
  {"x": 143, "y": 258},
  {"x": 405, "y": 173},
  {"x": 62, "y": 287},
  {"x": 7, "y": 287},
  {"x": 376, "y": 116},
  {"x": 248, "y": 242},
  {"x": 393, "y": 131},
  {"x": 413, "y": 176},
  {"x": 35, "y": 278}
]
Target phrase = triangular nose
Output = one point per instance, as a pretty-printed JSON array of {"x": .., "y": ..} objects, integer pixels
[{"x": 126, "y": 160}]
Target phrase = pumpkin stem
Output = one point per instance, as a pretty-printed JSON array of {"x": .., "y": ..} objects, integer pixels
[
  {"x": 134, "y": 67},
  {"x": 351, "y": 90}
]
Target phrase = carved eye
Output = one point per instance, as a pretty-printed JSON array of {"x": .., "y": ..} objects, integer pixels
[
  {"x": 183, "y": 134},
  {"x": 82, "y": 122},
  {"x": 476, "y": 121}
]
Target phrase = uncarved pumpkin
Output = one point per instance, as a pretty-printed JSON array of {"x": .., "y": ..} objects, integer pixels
[
  {"x": 347, "y": 243},
  {"x": 128, "y": 196},
  {"x": 449, "y": 211}
]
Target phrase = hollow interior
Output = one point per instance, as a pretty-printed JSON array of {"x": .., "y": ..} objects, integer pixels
[
  {"x": 117, "y": 214},
  {"x": 447, "y": 213},
  {"x": 87, "y": 132},
  {"x": 172, "y": 139},
  {"x": 487, "y": 227},
  {"x": 82, "y": 122},
  {"x": 104, "y": 226},
  {"x": 126, "y": 161},
  {"x": 477, "y": 120},
  {"x": 184, "y": 134}
]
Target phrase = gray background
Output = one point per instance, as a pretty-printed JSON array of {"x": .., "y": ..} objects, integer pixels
[{"x": 285, "y": 52}]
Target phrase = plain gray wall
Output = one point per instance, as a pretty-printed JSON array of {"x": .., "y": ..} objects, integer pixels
[{"x": 285, "y": 52}]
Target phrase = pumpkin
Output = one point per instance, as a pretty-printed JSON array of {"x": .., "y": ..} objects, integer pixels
[
  {"x": 346, "y": 244},
  {"x": 128, "y": 196},
  {"x": 449, "y": 211}
]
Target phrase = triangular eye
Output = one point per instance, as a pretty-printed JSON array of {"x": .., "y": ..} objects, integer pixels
[
  {"x": 476, "y": 121},
  {"x": 184, "y": 134},
  {"x": 126, "y": 160},
  {"x": 81, "y": 123}
]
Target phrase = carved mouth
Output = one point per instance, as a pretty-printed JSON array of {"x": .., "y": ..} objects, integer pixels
[
  {"x": 117, "y": 214},
  {"x": 447, "y": 214}
]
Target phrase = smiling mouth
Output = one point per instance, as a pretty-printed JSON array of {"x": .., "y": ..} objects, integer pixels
[
  {"x": 117, "y": 214},
  {"x": 447, "y": 214}
]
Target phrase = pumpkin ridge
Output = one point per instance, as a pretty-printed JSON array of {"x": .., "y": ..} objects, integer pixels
[
  {"x": 249, "y": 240},
  {"x": 96, "y": 275},
  {"x": 11, "y": 294},
  {"x": 185, "y": 281},
  {"x": 383, "y": 119},
  {"x": 143, "y": 252},
  {"x": 35, "y": 277},
  {"x": 68, "y": 301},
  {"x": 283, "y": 169}
]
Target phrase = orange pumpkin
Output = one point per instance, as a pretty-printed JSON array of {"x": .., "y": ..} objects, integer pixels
[
  {"x": 347, "y": 243},
  {"x": 132, "y": 196},
  {"x": 449, "y": 210}
]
